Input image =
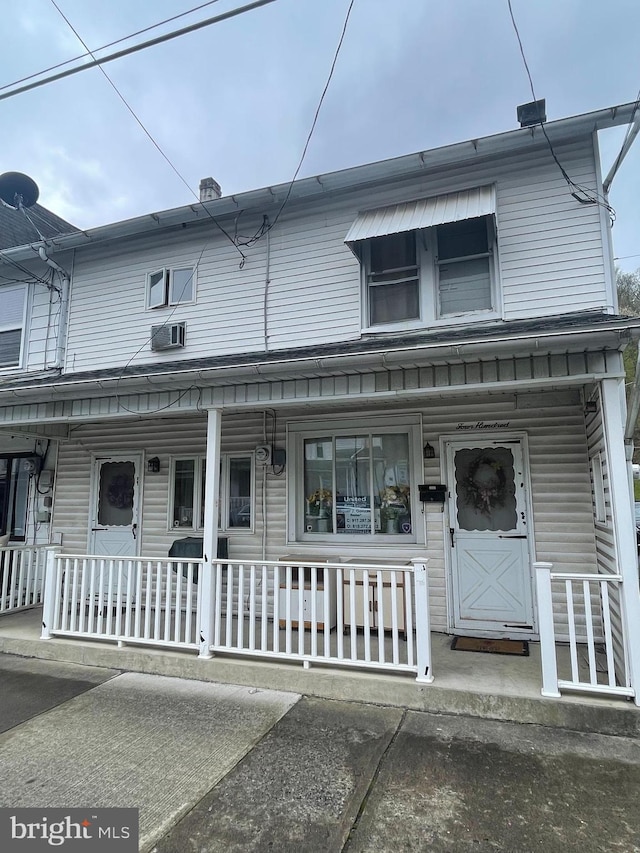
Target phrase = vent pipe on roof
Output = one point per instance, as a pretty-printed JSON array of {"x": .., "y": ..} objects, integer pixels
[{"x": 209, "y": 189}]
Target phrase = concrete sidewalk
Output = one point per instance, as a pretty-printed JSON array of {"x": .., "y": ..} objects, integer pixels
[{"x": 225, "y": 768}]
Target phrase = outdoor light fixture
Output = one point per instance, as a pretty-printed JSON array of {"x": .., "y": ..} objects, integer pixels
[
  {"x": 429, "y": 452},
  {"x": 153, "y": 465}
]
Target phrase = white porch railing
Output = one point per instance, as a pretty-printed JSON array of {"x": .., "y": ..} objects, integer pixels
[
  {"x": 130, "y": 600},
  {"x": 365, "y": 616},
  {"x": 588, "y": 614},
  {"x": 22, "y": 573}
]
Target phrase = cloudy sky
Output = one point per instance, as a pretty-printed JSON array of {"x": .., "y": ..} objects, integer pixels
[{"x": 236, "y": 100}]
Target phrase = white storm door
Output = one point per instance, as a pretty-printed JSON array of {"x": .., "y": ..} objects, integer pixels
[
  {"x": 116, "y": 491},
  {"x": 491, "y": 576}
]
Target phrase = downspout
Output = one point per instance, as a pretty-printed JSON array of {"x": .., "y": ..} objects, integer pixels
[
  {"x": 267, "y": 281},
  {"x": 64, "y": 308}
]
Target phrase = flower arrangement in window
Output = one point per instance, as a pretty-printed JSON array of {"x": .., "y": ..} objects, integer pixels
[
  {"x": 395, "y": 501},
  {"x": 485, "y": 484},
  {"x": 320, "y": 502}
]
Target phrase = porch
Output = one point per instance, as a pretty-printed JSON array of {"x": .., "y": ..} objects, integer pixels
[{"x": 366, "y": 629}]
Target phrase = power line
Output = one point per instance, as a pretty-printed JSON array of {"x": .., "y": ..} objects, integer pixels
[
  {"x": 263, "y": 230},
  {"x": 134, "y": 48},
  {"x": 577, "y": 190},
  {"x": 147, "y": 133},
  {"x": 110, "y": 44}
]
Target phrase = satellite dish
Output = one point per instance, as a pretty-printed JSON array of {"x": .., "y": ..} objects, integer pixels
[{"x": 17, "y": 189}]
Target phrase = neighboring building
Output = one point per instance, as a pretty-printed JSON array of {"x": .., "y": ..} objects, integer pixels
[
  {"x": 413, "y": 359},
  {"x": 30, "y": 330}
]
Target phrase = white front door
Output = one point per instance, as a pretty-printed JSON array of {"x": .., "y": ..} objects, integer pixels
[
  {"x": 488, "y": 538},
  {"x": 116, "y": 491}
]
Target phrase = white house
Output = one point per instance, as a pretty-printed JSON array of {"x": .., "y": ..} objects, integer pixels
[{"x": 412, "y": 367}]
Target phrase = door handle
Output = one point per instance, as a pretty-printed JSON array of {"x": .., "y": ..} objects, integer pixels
[
  {"x": 515, "y": 536},
  {"x": 451, "y": 532},
  {"x": 134, "y": 527}
]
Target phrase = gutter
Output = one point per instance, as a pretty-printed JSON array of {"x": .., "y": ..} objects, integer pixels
[{"x": 387, "y": 359}]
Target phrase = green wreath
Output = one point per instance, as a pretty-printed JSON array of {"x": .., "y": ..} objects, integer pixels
[{"x": 485, "y": 484}]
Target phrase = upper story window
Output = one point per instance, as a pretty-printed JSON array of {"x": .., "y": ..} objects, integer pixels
[
  {"x": 428, "y": 261},
  {"x": 13, "y": 298},
  {"x": 171, "y": 286}
]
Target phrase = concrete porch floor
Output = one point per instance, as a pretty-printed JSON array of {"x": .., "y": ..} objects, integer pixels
[{"x": 499, "y": 687}]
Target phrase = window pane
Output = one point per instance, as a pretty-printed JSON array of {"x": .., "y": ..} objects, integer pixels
[
  {"x": 390, "y": 303},
  {"x": 17, "y": 521},
  {"x": 485, "y": 489},
  {"x": 393, "y": 251},
  {"x": 353, "y": 484},
  {"x": 183, "y": 491},
  {"x": 392, "y": 483},
  {"x": 12, "y": 302},
  {"x": 157, "y": 293},
  {"x": 10, "y": 347},
  {"x": 457, "y": 239},
  {"x": 465, "y": 286},
  {"x": 115, "y": 494},
  {"x": 318, "y": 485},
  {"x": 181, "y": 286},
  {"x": 239, "y": 493}
]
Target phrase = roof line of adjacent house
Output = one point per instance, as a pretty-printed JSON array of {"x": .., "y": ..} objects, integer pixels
[
  {"x": 420, "y": 162},
  {"x": 357, "y": 353}
]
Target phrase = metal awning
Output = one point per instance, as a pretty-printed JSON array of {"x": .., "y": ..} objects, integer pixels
[{"x": 423, "y": 213}]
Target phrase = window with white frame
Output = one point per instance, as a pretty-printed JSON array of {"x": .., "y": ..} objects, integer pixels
[
  {"x": 12, "y": 310},
  {"x": 430, "y": 274},
  {"x": 188, "y": 477},
  {"x": 171, "y": 286},
  {"x": 355, "y": 482}
]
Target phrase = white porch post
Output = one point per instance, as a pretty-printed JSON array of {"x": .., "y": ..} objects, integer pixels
[
  {"x": 49, "y": 593},
  {"x": 548, "y": 658},
  {"x": 613, "y": 408},
  {"x": 210, "y": 544},
  {"x": 423, "y": 625}
]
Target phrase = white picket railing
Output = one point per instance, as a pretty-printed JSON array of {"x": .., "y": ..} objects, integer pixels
[
  {"x": 365, "y": 616},
  {"x": 588, "y": 615},
  {"x": 22, "y": 573},
  {"x": 131, "y": 600}
]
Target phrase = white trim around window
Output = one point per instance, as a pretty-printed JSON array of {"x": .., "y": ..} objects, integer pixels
[
  {"x": 237, "y": 493},
  {"x": 355, "y": 481},
  {"x": 421, "y": 288},
  {"x": 169, "y": 286}
]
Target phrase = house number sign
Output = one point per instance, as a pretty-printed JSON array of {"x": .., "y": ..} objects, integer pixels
[{"x": 483, "y": 425}]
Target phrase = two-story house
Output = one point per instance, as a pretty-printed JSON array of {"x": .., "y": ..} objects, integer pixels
[{"x": 405, "y": 371}]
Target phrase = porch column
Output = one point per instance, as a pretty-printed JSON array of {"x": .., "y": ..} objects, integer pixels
[
  {"x": 613, "y": 408},
  {"x": 210, "y": 544}
]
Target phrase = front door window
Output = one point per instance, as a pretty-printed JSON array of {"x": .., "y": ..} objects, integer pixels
[
  {"x": 115, "y": 494},
  {"x": 485, "y": 489}
]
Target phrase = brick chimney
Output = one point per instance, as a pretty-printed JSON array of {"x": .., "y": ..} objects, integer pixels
[{"x": 209, "y": 189}]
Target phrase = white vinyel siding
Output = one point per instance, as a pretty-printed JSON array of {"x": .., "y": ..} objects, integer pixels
[
  {"x": 550, "y": 261},
  {"x": 558, "y": 459}
]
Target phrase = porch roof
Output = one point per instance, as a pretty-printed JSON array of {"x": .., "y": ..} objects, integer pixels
[{"x": 578, "y": 332}]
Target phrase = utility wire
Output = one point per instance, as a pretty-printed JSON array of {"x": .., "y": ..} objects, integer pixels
[
  {"x": 264, "y": 229},
  {"x": 134, "y": 48},
  {"x": 105, "y": 46},
  {"x": 148, "y": 134},
  {"x": 582, "y": 194}
]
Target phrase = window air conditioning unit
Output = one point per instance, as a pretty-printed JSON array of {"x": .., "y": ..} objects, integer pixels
[
  {"x": 167, "y": 336},
  {"x": 263, "y": 454}
]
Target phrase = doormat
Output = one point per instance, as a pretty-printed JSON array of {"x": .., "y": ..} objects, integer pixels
[{"x": 496, "y": 647}]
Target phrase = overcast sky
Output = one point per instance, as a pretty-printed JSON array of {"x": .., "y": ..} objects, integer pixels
[{"x": 236, "y": 100}]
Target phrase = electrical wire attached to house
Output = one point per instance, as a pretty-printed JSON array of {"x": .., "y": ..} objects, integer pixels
[{"x": 582, "y": 194}]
